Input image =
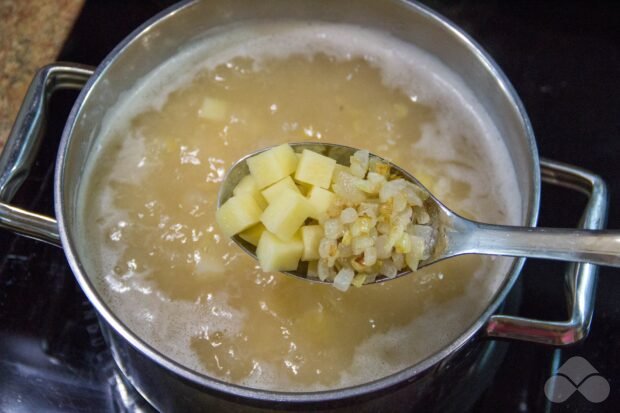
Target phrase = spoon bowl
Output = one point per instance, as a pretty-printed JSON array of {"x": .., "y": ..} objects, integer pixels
[{"x": 453, "y": 234}]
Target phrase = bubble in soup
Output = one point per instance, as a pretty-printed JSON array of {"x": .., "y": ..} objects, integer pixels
[{"x": 148, "y": 207}]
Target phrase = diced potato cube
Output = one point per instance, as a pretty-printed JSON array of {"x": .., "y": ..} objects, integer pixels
[
  {"x": 311, "y": 236},
  {"x": 315, "y": 169},
  {"x": 275, "y": 190},
  {"x": 252, "y": 234},
  {"x": 213, "y": 109},
  {"x": 276, "y": 255},
  {"x": 247, "y": 185},
  {"x": 238, "y": 213},
  {"x": 320, "y": 199},
  {"x": 286, "y": 214},
  {"x": 272, "y": 165}
]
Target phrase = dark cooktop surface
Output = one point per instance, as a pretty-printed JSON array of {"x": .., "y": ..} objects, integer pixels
[{"x": 563, "y": 59}]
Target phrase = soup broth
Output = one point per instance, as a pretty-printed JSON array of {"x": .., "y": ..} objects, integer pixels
[{"x": 149, "y": 203}]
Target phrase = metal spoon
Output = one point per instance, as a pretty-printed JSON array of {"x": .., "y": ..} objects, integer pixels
[{"x": 457, "y": 235}]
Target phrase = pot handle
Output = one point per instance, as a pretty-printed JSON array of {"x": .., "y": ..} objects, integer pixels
[
  {"x": 23, "y": 143},
  {"x": 580, "y": 278}
]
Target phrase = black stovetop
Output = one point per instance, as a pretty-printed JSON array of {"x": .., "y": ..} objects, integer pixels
[{"x": 563, "y": 59}]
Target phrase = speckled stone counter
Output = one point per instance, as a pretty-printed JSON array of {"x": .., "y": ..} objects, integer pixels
[{"x": 32, "y": 33}]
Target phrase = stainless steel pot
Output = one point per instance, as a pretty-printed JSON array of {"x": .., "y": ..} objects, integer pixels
[{"x": 172, "y": 387}]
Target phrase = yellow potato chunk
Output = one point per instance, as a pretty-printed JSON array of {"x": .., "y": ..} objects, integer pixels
[
  {"x": 247, "y": 185},
  {"x": 276, "y": 255},
  {"x": 213, "y": 109},
  {"x": 315, "y": 169},
  {"x": 272, "y": 165},
  {"x": 311, "y": 236},
  {"x": 275, "y": 190},
  {"x": 320, "y": 199},
  {"x": 238, "y": 213},
  {"x": 252, "y": 234},
  {"x": 286, "y": 214}
]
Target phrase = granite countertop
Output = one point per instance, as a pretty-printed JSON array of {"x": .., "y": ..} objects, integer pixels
[{"x": 32, "y": 33}]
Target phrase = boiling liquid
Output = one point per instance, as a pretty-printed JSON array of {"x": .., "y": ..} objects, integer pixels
[{"x": 164, "y": 268}]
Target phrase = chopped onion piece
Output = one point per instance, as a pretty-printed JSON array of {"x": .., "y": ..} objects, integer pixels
[
  {"x": 323, "y": 270},
  {"x": 383, "y": 247},
  {"x": 359, "y": 163},
  {"x": 370, "y": 256},
  {"x": 343, "y": 279},
  {"x": 348, "y": 215},
  {"x": 421, "y": 216},
  {"x": 345, "y": 186},
  {"x": 368, "y": 209},
  {"x": 399, "y": 260},
  {"x": 333, "y": 229},
  {"x": 359, "y": 244},
  {"x": 388, "y": 269},
  {"x": 361, "y": 226},
  {"x": 359, "y": 280}
]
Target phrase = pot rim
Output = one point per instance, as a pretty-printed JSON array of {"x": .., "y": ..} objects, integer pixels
[{"x": 262, "y": 395}]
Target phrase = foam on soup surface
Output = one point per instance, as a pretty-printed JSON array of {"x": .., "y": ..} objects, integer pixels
[{"x": 149, "y": 204}]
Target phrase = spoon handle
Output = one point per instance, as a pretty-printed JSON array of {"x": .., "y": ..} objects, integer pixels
[{"x": 597, "y": 247}]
